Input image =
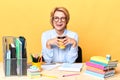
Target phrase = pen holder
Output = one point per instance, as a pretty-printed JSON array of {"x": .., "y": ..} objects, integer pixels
[
  {"x": 36, "y": 61},
  {"x": 37, "y": 64}
]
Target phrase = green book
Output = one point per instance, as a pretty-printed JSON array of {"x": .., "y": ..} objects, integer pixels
[{"x": 19, "y": 56}]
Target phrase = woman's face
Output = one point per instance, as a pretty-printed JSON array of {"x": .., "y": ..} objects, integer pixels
[{"x": 59, "y": 21}]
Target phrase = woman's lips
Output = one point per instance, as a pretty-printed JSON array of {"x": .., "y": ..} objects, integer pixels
[{"x": 59, "y": 24}]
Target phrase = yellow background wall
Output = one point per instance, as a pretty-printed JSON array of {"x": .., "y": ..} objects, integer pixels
[{"x": 97, "y": 23}]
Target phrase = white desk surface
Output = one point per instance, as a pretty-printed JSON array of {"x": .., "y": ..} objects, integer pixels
[{"x": 59, "y": 74}]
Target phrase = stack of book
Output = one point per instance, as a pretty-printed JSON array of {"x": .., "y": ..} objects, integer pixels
[
  {"x": 33, "y": 72},
  {"x": 101, "y": 67}
]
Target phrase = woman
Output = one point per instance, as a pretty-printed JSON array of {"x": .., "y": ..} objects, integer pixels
[{"x": 53, "y": 39}]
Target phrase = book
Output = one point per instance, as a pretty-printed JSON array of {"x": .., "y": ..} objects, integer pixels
[
  {"x": 13, "y": 59},
  {"x": 99, "y": 66},
  {"x": 33, "y": 72},
  {"x": 18, "y": 48},
  {"x": 99, "y": 70},
  {"x": 100, "y": 75},
  {"x": 23, "y": 41},
  {"x": 33, "y": 69},
  {"x": 13, "y": 50},
  {"x": 111, "y": 64},
  {"x": 103, "y": 60},
  {"x": 50, "y": 66},
  {"x": 71, "y": 67},
  {"x": 23, "y": 56},
  {"x": 19, "y": 56},
  {"x": 8, "y": 63}
]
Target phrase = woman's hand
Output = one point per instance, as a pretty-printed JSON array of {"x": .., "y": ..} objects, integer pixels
[
  {"x": 69, "y": 40},
  {"x": 55, "y": 41},
  {"x": 50, "y": 42}
]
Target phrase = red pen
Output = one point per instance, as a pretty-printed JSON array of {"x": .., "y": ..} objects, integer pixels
[{"x": 66, "y": 75}]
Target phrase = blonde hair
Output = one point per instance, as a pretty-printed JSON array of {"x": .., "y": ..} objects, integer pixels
[{"x": 62, "y": 9}]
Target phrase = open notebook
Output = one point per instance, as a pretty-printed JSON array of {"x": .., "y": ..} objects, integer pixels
[
  {"x": 71, "y": 67},
  {"x": 49, "y": 66}
]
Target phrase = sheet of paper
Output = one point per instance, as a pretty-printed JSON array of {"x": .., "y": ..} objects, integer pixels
[
  {"x": 49, "y": 66},
  {"x": 71, "y": 67}
]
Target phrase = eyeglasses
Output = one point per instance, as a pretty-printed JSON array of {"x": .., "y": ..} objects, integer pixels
[{"x": 56, "y": 19}]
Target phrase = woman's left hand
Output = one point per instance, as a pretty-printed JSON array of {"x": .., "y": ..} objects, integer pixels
[{"x": 67, "y": 40}]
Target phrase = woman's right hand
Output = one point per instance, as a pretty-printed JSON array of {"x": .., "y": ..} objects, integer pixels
[{"x": 50, "y": 42}]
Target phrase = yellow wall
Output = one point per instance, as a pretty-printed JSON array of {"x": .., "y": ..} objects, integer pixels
[{"x": 96, "y": 21}]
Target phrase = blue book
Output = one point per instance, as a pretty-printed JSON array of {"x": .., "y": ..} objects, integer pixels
[
  {"x": 100, "y": 75},
  {"x": 8, "y": 63}
]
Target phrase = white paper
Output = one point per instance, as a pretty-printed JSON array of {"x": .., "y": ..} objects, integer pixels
[
  {"x": 49, "y": 66},
  {"x": 71, "y": 67}
]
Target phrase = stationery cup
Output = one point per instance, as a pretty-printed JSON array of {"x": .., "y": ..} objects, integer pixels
[
  {"x": 36, "y": 61},
  {"x": 37, "y": 64}
]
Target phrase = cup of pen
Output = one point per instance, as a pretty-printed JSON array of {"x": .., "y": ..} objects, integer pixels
[
  {"x": 37, "y": 64},
  {"x": 37, "y": 61},
  {"x": 61, "y": 44}
]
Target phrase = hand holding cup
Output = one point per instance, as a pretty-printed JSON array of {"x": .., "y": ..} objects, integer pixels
[{"x": 61, "y": 42}]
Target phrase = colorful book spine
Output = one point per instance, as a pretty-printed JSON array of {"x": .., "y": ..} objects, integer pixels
[
  {"x": 19, "y": 56},
  {"x": 96, "y": 65},
  {"x": 103, "y": 64},
  {"x": 8, "y": 63},
  {"x": 100, "y": 59},
  {"x": 111, "y": 64},
  {"x": 13, "y": 59},
  {"x": 33, "y": 74},
  {"x": 95, "y": 70},
  {"x": 100, "y": 71},
  {"x": 94, "y": 74},
  {"x": 99, "y": 75}
]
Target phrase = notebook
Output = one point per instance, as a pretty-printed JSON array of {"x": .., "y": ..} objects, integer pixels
[
  {"x": 49, "y": 66},
  {"x": 71, "y": 67}
]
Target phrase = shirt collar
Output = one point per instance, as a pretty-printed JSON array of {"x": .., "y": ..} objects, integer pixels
[{"x": 65, "y": 32}]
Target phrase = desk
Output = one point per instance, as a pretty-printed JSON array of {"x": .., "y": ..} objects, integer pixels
[{"x": 59, "y": 74}]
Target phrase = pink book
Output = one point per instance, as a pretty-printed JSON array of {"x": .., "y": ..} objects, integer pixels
[
  {"x": 96, "y": 65},
  {"x": 107, "y": 72},
  {"x": 95, "y": 70}
]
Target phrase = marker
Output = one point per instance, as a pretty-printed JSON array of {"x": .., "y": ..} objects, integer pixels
[
  {"x": 66, "y": 75},
  {"x": 48, "y": 76}
]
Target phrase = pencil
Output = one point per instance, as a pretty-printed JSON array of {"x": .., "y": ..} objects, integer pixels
[
  {"x": 48, "y": 76},
  {"x": 66, "y": 75}
]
